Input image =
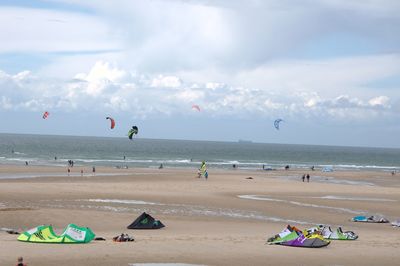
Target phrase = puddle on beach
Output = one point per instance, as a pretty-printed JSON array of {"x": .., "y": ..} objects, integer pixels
[
  {"x": 164, "y": 264},
  {"x": 331, "y": 197},
  {"x": 138, "y": 206},
  {"x": 37, "y": 175},
  {"x": 339, "y": 209},
  {"x": 330, "y": 179}
]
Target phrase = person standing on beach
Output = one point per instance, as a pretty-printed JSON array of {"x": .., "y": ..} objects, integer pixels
[
  {"x": 303, "y": 177},
  {"x": 69, "y": 171},
  {"x": 94, "y": 170},
  {"x": 203, "y": 170},
  {"x": 20, "y": 262},
  {"x": 308, "y": 178}
]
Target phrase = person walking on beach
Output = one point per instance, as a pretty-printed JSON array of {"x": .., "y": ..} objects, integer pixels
[
  {"x": 94, "y": 170},
  {"x": 81, "y": 172},
  {"x": 303, "y": 177},
  {"x": 202, "y": 170},
  {"x": 69, "y": 171},
  {"x": 308, "y": 178}
]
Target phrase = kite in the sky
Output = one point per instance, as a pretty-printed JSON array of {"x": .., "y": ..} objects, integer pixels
[
  {"x": 195, "y": 106},
  {"x": 112, "y": 122},
  {"x": 133, "y": 131},
  {"x": 45, "y": 115},
  {"x": 276, "y": 123}
]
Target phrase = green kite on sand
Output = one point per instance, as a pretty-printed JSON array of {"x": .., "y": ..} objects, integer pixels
[
  {"x": 293, "y": 237},
  {"x": 72, "y": 234}
]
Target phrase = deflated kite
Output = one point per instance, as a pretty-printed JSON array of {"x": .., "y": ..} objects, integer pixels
[
  {"x": 291, "y": 236},
  {"x": 45, "y": 234},
  {"x": 327, "y": 233}
]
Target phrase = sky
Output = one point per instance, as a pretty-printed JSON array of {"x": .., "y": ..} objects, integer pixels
[{"x": 329, "y": 68}]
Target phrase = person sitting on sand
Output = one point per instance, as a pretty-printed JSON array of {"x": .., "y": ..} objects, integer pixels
[{"x": 20, "y": 262}]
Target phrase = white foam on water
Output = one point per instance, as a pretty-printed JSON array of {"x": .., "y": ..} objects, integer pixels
[{"x": 258, "y": 197}]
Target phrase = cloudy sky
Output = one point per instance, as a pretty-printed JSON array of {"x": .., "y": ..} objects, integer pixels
[{"x": 329, "y": 68}]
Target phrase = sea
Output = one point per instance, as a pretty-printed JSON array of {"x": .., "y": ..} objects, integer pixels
[{"x": 48, "y": 150}]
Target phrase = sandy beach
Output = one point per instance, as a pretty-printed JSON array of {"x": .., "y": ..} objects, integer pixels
[{"x": 225, "y": 220}]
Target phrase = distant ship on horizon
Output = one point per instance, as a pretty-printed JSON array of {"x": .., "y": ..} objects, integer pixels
[{"x": 244, "y": 141}]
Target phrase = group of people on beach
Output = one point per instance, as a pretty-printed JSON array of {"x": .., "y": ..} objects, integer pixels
[{"x": 304, "y": 176}]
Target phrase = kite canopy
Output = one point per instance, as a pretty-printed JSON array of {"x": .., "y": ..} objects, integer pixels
[
  {"x": 133, "y": 131},
  {"x": 396, "y": 223},
  {"x": 146, "y": 221},
  {"x": 277, "y": 122},
  {"x": 45, "y": 115},
  {"x": 72, "y": 234},
  {"x": 112, "y": 121},
  {"x": 370, "y": 219},
  {"x": 291, "y": 236},
  {"x": 327, "y": 233},
  {"x": 195, "y": 106}
]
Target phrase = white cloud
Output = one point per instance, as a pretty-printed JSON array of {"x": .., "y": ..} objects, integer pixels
[
  {"x": 166, "y": 82},
  {"x": 107, "y": 88},
  {"x": 380, "y": 101}
]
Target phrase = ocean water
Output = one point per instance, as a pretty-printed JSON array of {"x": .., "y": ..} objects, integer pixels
[{"x": 105, "y": 151}]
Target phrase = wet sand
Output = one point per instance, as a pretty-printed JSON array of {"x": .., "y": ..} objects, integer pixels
[{"x": 222, "y": 221}]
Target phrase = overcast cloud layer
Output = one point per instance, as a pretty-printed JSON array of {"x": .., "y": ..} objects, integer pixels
[{"x": 323, "y": 66}]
